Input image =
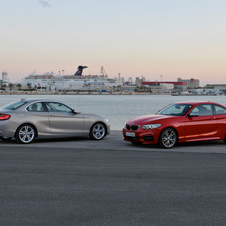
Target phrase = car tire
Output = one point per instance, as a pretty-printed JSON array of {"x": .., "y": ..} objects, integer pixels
[
  {"x": 5, "y": 138},
  {"x": 25, "y": 134},
  {"x": 224, "y": 140},
  {"x": 98, "y": 131},
  {"x": 168, "y": 138}
]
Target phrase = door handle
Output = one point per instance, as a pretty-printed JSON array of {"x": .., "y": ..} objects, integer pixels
[
  {"x": 213, "y": 118},
  {"x": 52, "y": 115}
]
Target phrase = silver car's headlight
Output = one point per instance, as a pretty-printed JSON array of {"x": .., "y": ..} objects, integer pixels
[
  {"x": 106, "y": 120},
  {"x": 151, "y": 126}
]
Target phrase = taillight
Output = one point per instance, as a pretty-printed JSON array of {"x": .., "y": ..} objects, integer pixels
[{"x": 4, "y": 117}]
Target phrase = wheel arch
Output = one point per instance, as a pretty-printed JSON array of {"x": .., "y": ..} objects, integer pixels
[
  {"x": 105, "y": 126},
  {"x": 170, "y": 127},
  {"x": 29, "y": 123}
]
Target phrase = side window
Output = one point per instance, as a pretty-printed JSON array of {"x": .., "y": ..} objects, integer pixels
[
  {"x": 57, "y": 107},
  {"x": 36, "y": 107},
  {"x": 203, "y": 109},
  {"x": 219, "y": 110}
]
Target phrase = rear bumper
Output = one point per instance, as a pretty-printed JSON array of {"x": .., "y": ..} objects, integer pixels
[{"x": 7, "y": 128}]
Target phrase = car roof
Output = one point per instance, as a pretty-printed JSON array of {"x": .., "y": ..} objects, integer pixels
[
  {"x": 30, "y": 100},
  {"x": 197, "y": 102}
]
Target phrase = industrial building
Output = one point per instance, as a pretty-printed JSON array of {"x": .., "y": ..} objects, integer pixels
[
  {"x": 5, "y": 80},
  {"x": 179, "y": 84},
  {"x": 220, "y": 87}
]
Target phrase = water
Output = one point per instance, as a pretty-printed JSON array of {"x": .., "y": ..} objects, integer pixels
[{"x": 117, "y": 108}]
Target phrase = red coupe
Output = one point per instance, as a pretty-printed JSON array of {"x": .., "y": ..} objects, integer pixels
[{"x": 177, "y": 123}]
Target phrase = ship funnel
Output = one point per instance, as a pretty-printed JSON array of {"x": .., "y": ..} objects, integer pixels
[{"x": 79, "y": 71}]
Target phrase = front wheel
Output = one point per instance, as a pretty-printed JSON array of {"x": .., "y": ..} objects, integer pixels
[
  {"x": 25, "y": 134},
  {"x": 168, "y": 138},
  {"x": 98, "y": 131}
]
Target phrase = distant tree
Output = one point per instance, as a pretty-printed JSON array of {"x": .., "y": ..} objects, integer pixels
[
  {"x": 29, "y": 85},
  {"x": 4, "y": 86},
  {"x": 19, "y": 86},
  {"x": 11, "y": 86}
]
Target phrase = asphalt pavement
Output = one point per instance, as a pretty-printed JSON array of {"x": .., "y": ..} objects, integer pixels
[{"x": 78, "y": 181}]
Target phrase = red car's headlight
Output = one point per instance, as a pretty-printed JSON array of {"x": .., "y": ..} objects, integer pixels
[{"x": 151, "y": 126}]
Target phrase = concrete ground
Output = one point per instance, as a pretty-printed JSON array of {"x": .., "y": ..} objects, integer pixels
[{"x": 78, "y": 181}]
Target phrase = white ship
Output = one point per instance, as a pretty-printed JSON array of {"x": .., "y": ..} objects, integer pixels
[{"x": 53, "y": 82}]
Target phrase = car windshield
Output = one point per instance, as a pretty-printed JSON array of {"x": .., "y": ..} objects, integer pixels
[
  {"x": 175, "y": 109},
  {"x": 14, "y": 105}
]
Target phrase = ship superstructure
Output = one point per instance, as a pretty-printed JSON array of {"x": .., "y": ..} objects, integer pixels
[{"x": 71, "y": 82}]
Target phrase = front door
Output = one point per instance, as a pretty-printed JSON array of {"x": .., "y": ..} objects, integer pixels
[
  {"x": 202, "y": 126},
  {"x": 63, "y": 121}
]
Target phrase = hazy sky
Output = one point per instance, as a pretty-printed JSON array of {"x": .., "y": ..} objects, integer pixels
[{"x": 173, "y": 38}]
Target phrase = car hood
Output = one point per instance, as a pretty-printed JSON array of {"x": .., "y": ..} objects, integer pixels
[{"x": 145, "y": 119}]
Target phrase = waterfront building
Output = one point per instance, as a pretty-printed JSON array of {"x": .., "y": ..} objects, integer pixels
[
  {"x": 179, "y": 84},
  {"x": 220, "y": 87},
  {"x": 190, "y": 83},
  {"x": 5, "y": 80}
]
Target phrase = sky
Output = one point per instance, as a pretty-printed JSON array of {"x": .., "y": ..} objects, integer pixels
[{"x": 173, "y": 38}]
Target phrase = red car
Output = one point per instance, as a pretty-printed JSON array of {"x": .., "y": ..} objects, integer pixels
[{"x": 177, "y": 123}]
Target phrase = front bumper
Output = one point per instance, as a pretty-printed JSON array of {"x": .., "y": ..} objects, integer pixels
[
  {"x": 142, "y": 136},
  {"x": 108, "y": 128}
]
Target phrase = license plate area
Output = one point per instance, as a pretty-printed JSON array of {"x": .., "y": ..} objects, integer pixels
[{"x": 128, "y": 134}]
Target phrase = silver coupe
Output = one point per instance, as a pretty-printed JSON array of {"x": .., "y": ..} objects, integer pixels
[{"x": 28, "y": 119}]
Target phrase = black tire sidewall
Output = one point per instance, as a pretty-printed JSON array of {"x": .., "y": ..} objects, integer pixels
[
  {"x": 91, "y": 130},
  {"x": 17, "y": 134},
  {"x": 160, "y": 138}
]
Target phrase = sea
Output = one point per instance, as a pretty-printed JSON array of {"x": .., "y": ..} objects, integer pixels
[{"x": 117, "y": 108}]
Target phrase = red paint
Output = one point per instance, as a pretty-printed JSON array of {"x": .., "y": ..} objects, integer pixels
[{"x": 198, "y": 128}]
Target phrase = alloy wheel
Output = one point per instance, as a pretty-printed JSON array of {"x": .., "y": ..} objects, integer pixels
[
  {"x": 98, "y": 131},
  {"x": 168, "y": 138},
  {"x": 25, "y": 134}
]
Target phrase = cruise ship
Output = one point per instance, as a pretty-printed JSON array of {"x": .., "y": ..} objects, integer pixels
[{"x": 53, "y": 82}]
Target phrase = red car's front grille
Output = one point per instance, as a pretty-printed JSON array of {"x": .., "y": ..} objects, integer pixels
[{"x": 132, "y": 127}]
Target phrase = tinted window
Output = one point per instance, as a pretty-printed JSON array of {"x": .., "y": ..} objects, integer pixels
[
  {"x": 14, "y": 105},
  {"x": 175, "y": 109},
  {"x": 36, "y": 107},
  {"x": 203, "y": 109},
  {"x": 57, "y": 107},
  {"x": 219, "y": 110}
]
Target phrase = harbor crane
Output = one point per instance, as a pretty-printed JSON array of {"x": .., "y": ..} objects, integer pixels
[{"x": 103, "y": 72}]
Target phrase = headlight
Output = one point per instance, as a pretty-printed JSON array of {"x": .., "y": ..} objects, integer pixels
[
  {"x": 106, "y": 120},
  {"x": 151, "y": 126}
]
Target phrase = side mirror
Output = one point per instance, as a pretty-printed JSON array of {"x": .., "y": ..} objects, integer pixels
[
  {"x": 74, "y": 111},
  {"x": 193, "y": 114}
]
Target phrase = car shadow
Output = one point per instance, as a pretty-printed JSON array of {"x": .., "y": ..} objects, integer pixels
[
  {"x": 52, "y": 140},
  {"x": 179, "y": 145},
  {"x": 65, "y": 139}
]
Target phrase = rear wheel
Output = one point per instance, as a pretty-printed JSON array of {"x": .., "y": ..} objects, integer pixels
[
  {"x": 25, "y": 134},
  {"x": 98, "y": 131},
  {"x": 168, "y": 138}
]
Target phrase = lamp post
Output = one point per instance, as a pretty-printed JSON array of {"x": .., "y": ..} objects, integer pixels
[{"x": 161, "y": 83}]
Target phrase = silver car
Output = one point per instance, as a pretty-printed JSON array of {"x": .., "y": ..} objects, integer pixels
[{"x": 28, "y": 119}]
